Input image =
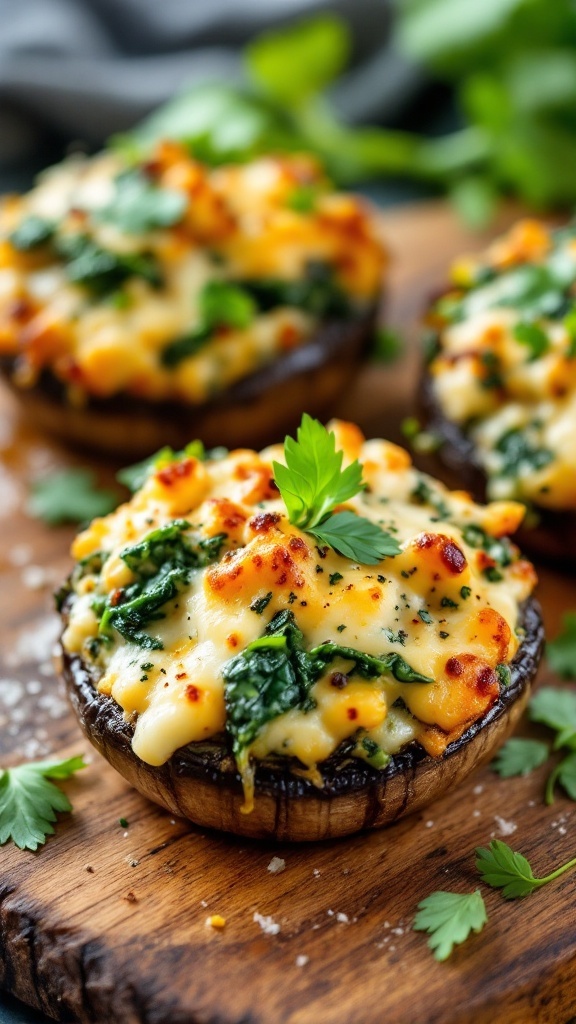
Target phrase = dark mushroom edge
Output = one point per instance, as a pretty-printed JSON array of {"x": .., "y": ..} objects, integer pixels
[
  {"x": 200, "y": 781},
  {"x": 251, "y": 413}
]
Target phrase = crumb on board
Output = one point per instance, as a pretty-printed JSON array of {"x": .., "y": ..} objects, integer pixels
[
  {"x": 216, "y": 921},
  {"x": 267, "y": 923},
  {"x": 130, "y": 897},
  {"x": 276, "y": 865},
  {"x": 505, "y": 828}
]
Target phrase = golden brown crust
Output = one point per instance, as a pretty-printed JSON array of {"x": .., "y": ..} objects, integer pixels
[{"x": 200, "y": 782}]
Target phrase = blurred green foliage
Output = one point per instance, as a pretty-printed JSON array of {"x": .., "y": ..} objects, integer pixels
[{"x": 513, "y": 67}]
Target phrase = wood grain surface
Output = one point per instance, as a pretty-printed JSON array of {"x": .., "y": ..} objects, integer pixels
[{"x": 108, "y": 924}]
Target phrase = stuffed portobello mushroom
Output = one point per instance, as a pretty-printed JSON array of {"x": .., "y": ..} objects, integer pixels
[
  {"x": 500, "y": 385},
  {"x": 302, "y": 642},
  {"x": 142, "y": 304}
]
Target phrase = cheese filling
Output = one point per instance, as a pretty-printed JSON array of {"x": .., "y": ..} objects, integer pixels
[
  {"x": 171, "y": 280},
  {"x": 204, "y": 613},
  {"x": 505, "y": 366}
]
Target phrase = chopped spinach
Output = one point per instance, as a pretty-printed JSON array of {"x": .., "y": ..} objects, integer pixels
[
  {"x": 261, "y": 603},
  {"x": 221, "y": 304},
  {"x": 423, "y": 494},
  {"x": 275, "y": 674},
  {"x": 100, "y": 270},
  {"x": 317, "y": 292},
  {"x": 162, "y": 563},
  {"x": 32, "y": 232}
]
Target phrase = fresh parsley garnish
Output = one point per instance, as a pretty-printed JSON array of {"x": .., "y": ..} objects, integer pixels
[
  {"x": 69, "y": 496},
  {"x": 29, "y": 801},
  {"x": 313, "y": 483},
  {"x": 561, "y": 652},
  {"x": 449, "y": 918},
  {"x": 501, "y": 868},
  {"x": 519, "y": 757}
]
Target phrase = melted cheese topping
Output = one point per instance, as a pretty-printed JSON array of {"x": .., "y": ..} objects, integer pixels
[
  {"x": 235, "y": 223},
  {"x": 441, "y": 604},
  {"x": 506, "y": 366}
]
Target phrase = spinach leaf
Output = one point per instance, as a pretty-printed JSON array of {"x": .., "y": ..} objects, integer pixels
[
  {"x": 100, "y": 270},
  {"x": 317, "y": 292},
  {"x": 162, "y": 563},
  {"x": 221, "y": 304},
  {"x": 31, "y": 232},
  {"x": 275, "y": 674},
  {"x": 138, "y": 205}
]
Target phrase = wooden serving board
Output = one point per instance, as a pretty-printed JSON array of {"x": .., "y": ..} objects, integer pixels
[{"x": 107, "y": 924}]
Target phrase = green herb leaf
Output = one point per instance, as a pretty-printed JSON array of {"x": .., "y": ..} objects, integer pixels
[
  {"x": 318, "y": 47},
  {"x": 356, "y": 538},
  {"x": 387, "y": 345},
  {"x": 534, "y": 338},
  {"x": 449, "y": 918},
  {"x": 69, "y": 496},
  {"x": 501, "y": 868},
  {"x": 29, "y": 802},
  {"x": 521, "y": 453},
  {"x": 221, "y": 304},
  {"x": 100, "y": 270},
  {"x": 519, "y": 757},
  {"x": 134, "y": 477},
  {"x": 554, "y": 707},
  {"x": 162, "y": 563},
  {"x": 561, "y": 652},
  {"x": 313, "y": 482},
  {"x": 32, "y": 232},
  {"x": 139, "y": 206}
]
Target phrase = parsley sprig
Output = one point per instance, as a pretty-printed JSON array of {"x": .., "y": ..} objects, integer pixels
[
  {"x": 69, "y": 496},
  {"x": 449, "y": 917},
  {"x": 29, "y": 801},
  {"x": 501, "y": 868},
  {"x": 313, "y": 483}
]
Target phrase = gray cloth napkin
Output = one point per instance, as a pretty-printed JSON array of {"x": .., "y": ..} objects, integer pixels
[{"x": 87, "y": 68}]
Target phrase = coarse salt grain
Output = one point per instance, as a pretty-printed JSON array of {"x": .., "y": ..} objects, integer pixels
[
  {"x": 267, "y": 923},
  {"x": 302, "y": 960},
  {"x": 505, "y": 828},
  {"x": 343, "y": 918},
  {"x": 276, "y": 865},
  {"x": 35, "y": 577}
]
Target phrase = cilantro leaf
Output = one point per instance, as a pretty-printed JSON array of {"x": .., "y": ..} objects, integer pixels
[
  {"x": 566, "y": 775},
  {"x": 28, "y": 801},
  {"x": 449, "y": 918},
  {"x": 561, "y": 652},
  {"x": 502, "y": 868},
  {"x": 519, "y": 757},
  {"x": 139, "y": 206},
  {"x": 69, "y": 496},
  {"x": 313, "y": 483},
  {"x": 356, "y": 538}
]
